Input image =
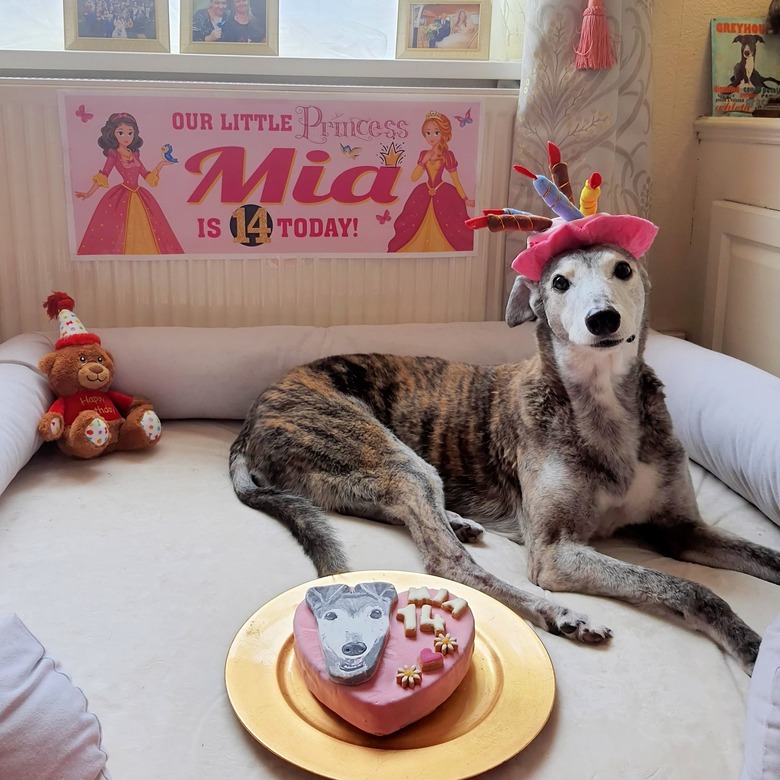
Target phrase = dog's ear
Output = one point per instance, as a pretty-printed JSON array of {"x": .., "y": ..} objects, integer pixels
[
  {"x": 644, "y": 273},
  {"x": 518, "y": 307},
  {"x": 383, "y": 591},
  {"x": 322, "y": 596}
]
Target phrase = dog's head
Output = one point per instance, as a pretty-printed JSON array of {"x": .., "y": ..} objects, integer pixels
[
  {"x": 353, "y": 624},
  {"x": 594, "y": 297},
  {"x": 748, "y": 44}
]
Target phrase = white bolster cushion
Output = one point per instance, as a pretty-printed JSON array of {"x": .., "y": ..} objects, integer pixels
[
  {"x": 216, "y": 373},
  {"x": 727, "y": 415},
  {"x": 25, "y": 397}
]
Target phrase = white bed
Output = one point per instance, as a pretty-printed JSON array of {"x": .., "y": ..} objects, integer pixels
[{"x": 136, "y": 570}]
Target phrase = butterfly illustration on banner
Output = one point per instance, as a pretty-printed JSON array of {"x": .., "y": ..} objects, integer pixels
[
  {"x": 382, "y": 218},
  {"x": 351, "y": 151},
  {"x": 465, "y": 120},
  {"x": 82, "y": 114}
]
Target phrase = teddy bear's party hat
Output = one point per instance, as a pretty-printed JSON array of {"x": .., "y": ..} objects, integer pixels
[{"x": 59, "y": 306}]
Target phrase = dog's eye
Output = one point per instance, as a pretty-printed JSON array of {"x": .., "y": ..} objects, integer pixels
[
  {"x": 623, "y": 270},
  {"x": 330, "y": 616},
  {"x": 376, "y": 614},
  {"x": 560, "y": 283}
]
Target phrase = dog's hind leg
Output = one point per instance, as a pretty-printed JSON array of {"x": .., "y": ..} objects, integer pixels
[
  {"x": 465, "y": 529},
  {"x": 566, "y": 565},
  {"x": 696, "y": 542}
]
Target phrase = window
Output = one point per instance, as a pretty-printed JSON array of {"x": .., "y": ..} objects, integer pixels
[{"x": 320, "y": 41}]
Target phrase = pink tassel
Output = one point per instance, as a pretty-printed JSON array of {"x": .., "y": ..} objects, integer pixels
[{"x": 595, "y": 49}]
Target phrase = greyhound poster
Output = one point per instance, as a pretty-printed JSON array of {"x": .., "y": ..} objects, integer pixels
[{"x": 745, "y": 66}]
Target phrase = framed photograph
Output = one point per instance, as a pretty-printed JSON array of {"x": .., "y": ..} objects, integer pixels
[
  {"x": 117, "y": 25},
  {"x": 451, "y": 31},
  {"x": 230, "y": 26}
]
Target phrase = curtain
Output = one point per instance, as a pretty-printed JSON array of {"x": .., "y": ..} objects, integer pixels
[{"x": 600, "y": 119}]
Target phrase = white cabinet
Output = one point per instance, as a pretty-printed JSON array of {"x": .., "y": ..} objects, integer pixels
[{"x": 736, "y": 238}]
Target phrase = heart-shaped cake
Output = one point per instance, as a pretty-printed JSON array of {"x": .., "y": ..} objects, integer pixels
[{"x": 380, "y": 659}]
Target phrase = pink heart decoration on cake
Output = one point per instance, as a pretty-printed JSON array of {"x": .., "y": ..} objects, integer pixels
[
  {"x": 430, "y": 659},
  {"x": 381, "y": 705}
]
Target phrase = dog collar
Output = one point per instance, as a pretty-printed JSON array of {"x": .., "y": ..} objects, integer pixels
[{"x": 633, "y": 234}]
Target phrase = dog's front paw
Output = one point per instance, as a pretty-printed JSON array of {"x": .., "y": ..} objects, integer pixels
[
  {"x": 574, "y": 625},
  {"x": 466, "y": 530}
]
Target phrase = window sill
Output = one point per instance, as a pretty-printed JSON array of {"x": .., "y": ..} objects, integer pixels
[{"x": 164, "y": 66}]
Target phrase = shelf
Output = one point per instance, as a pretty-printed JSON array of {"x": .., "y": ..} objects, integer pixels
[{"x": 739, "y": 129}]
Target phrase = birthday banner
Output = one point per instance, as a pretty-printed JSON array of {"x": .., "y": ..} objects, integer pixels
[{"x": 158, "y": 175}]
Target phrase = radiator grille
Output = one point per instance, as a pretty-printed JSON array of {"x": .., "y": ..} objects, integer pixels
[{"x": 213, "y": 291}]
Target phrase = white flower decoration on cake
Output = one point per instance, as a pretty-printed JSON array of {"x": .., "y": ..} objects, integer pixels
[
  {"x": 408, "y": 676},
  {"x": 445, "y": 644}
]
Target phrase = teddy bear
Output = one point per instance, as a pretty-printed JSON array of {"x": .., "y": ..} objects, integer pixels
[{"x": 87, "y": 419}]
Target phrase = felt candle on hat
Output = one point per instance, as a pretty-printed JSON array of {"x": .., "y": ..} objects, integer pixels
[
  {"x": 551, "y": 195},
  {"x": 559, "y": 171},
  {"x": 499, "y": 220},
  {"x": 589, "y": 197}
]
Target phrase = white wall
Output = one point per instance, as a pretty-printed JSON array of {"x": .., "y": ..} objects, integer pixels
[{"x": 681, "y": 85}]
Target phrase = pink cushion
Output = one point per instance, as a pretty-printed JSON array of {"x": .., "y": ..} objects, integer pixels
[
  {"x": 46, "y": 729},
  {"x": 762, "y": 724}
]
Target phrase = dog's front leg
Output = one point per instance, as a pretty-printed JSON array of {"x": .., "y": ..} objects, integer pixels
[
  {"x": 570, "y": 565},
  {"x": 415, "y": 495}
]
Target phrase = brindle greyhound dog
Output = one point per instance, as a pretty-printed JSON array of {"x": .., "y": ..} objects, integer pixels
[{"x": 569, "y": 446}]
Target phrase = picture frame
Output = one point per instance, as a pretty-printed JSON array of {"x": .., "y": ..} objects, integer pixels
[
  {"x": 198, "y": 25},
  {"x": 142, "y": 27},
  {"x": 452, "y": 31}
]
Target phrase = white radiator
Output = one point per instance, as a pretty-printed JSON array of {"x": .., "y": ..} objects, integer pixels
[{"x": 211, "y": 291}]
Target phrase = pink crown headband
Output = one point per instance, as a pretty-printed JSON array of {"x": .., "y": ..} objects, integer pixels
[{"x": 574, "y": 227}]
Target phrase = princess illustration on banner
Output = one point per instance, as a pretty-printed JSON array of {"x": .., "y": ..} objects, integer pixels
[
  {"x": 127, "y": 220},
  {"x": 433, "y": 217}
]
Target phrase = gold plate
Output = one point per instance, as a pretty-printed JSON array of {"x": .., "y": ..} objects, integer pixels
[{"x": 501, "y": 705}]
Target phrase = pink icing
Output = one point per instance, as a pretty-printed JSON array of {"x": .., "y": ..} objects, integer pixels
[{"x": 380, "y": 705}]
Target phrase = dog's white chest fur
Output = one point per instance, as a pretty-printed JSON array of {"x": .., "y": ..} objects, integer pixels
[{"x": 635, "y": 505}]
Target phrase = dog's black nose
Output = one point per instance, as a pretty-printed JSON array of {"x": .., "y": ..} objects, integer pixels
[
  {"x": 602, "y": 322},
  {"x": 353, "y": 648}
]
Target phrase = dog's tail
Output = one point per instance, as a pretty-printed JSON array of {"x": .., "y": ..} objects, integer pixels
[{"x": 306, "y": 522}]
